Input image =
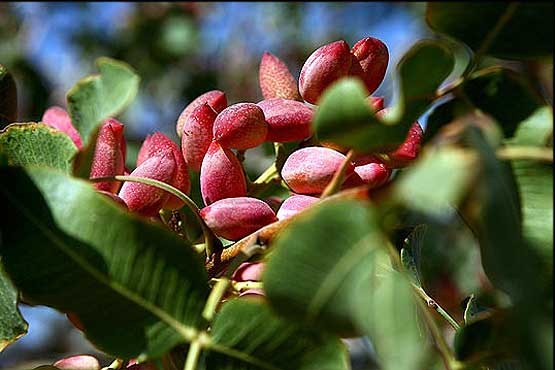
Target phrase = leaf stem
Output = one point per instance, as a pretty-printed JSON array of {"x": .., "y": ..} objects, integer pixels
[
  {"x": 514, "y": 152},
  {"x": 338, "y": 177},
  {"x": 214, "y": 298},
  {"x": 433, "y": 304},
  {"x": 210, "y": 240},
  {"x": 243, "y": 285},
  {"x": 193, "y": 355},
  {"x": 115, "y": 365},
  {"x": 268, "y": 175}
]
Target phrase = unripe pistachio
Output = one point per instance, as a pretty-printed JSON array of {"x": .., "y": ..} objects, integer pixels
[
  {"x": 249, "y": 271},
  {"x": 197, "y": 135},
  {"x": 369, "y": 171},
  {"x": 275, "y": 79},
  {"x": 216, "y": 99},
  {"x": 323, "y": 67},
  {"x": 294, "y": 204},
  {"x": 109, "y": 155},
  {"x": 80, "y": 362},
  {"x": 58, "y": 118},
  {"x": 254, "y": 293},
  {"x": 235, "y": 218},
  {"x": 158, "y": 144},
  {"x": 309, "y": 170},
  {"x": 145, "y": 199},
  {"x": 288, "y": 120},
  {"x": 372, "y": 57},
  {"x": 240, "y": 126},
  {"x": 221, "y": 175}
]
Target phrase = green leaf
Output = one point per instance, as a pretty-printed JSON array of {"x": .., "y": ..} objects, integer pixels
[
  {"x": 344, "y": 116},
  {"x": 137, "y": 288},
  {"x": 503, "y": 94},
  {"x": 246, "y": 334},
  {"x": 474, "y": 311},
  {"x": 97, "y": 97},
  {"x": 25, "y": 144},
  {"x": 320, "y": 261},
  {"x": 438, "y": 182},
  {"x": 410, "y": 253},
  {"x": 525, "y": 29},
  {"x": 12, "y": 325},
  {"x": 389, "y": 315},
  {"x": 494, "y": 213},
  {"x": 8, "y": 98},
  {"x": 537, "y": 130}
]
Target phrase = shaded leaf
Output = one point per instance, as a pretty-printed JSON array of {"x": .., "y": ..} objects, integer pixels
[
  {"x": 136, "y": 288},
  {"x": 438, "y": 182},
  {"x": 12, "y": 325},
  {"x": 389, "y": 315},
  {"x": 345, "y": 118},
  {"x": 410, "y": 253},
  {"x": 97, "y": 97},
  {"x": 320, "y": 261},
  {"x": 526, "y": 33},
  {"x": 474, "y": 310},
  {"x": 248, "y": 335},
  {"x": 503, "y": 94},
  {"x": 8, "y": 98},
  {"x": 25, "y": 144}
]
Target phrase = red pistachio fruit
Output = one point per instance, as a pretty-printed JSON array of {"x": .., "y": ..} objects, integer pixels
[
  {"x": 80, "y": 362},
  {"x": 249, "y": 271},
  {"x": 275, "y": 79},
  {"x": 369, "y": 171},
  {"x": 145, "y": 199},
  {"x": 372, "y": 57},
  {"x": 157, "y": 144},
  {"x": 216, "y": 99},
  {"x": 376, "y": 102},
  {"x": 408, "y": 151},
  {"x": 58, "y": 118},
  {"x": 109, "y": 155},
  {"x": 294, "y": 204},
  {"x": 288, "y": 120},
  {"x": 309, "y": 170},
  {"x": 114, "y": 197},
  {"x": 197, "y": 135},
  {"x": 221, "y": 175},
  {"x": 323, "y": 67},
  {"x": 240, "y": 126},
  {"x": 235, "y": 218}
]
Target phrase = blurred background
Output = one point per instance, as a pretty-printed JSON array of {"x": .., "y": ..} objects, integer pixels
[{"x": 180, "y": 50}]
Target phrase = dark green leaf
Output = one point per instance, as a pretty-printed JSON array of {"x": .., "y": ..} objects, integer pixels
[
  {"x": 503, "y": 94},
  {"x": 97, "y": 97},
  {"x": 344, "y": 116},
  {"x": 8, "y": 98},
  {"x": 12, "y": 325},
  {"x": 136, "y": 288},
  {"x": 25, "y": 144},
  {"x": 320, "y": 261},
  {"x": 525, "y": 31},
  {"x": 247, "y": 335},
  {"x": 410, "y": 253},
  {"x": 474, "y": 340}
]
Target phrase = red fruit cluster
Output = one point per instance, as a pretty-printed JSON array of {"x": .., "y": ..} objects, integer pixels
[{"x": 213, "y": 134}]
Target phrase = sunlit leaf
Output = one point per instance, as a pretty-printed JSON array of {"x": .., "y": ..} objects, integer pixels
[{"x": 136, "y": 288}]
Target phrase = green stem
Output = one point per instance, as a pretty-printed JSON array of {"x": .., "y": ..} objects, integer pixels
[
  {"x": 513, "y": 152},
  {"x": 210, "y": 240},
  {"x": 193, "y": 355},
  {"x": 214, "y": 298},
  {"x": 268, "y": 175},
  {"x": 243, "y": 285},
  {"x": 115, "y": 365},
  {"x": 338, "y": 177},
  {"x": 433, "y": 304}
]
